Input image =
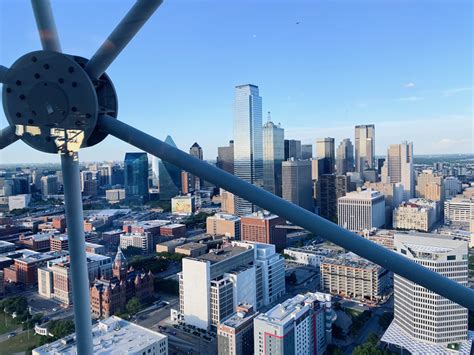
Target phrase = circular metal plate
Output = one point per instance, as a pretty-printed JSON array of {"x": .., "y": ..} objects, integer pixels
[{"x": 51, "y": 101}]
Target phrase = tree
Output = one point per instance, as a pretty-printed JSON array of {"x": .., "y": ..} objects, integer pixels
[
  {"x": 385, "y": 320},
  {"x": 61, "y": 327},
  {"x": 166, "y": 286},
  {"x": 133, "y": 306}
]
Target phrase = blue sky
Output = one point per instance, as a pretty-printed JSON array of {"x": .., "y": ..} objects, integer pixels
[{"x": 322, "y": 67}]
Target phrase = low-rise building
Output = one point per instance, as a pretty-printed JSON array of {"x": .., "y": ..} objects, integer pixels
[
  {"x": 459, "y": 209},
  {"x": 183, "y": 205},
  {"x": 351, "y": 276},
  {"x": 115, "y": 195},
  {"x": 305, "y": 256},
  {"x": 143, "y": 241},
  {"x": 6, "y": 247},
  {"x": 112, "y": 336},
  {"x": 417, "y": 214},
  {"x": 173, "y": 230},
  {"x": 381, "y": 237},
  {"x": 37, "y": 242},
  {"x": 223, "y": 224},
  {"x": 18, "y": 202},
  {"x": 300, "y": 325},
  {"x": 170, "y": 245},
  {"x": 191, "y": 249},
  {"x": 262, "y": 227}
]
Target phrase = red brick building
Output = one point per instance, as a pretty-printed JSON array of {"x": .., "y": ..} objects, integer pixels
[
  {"x": 110, "y": 296},
  {"x": 261, "y": 228},
  {"x": 173, "y": 230},
  {"x": 37, "y": 242}
]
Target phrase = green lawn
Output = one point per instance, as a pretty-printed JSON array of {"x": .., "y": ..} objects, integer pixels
[
  {"x": 11, "y": 325},
  {"x": 20, "y": 343}
]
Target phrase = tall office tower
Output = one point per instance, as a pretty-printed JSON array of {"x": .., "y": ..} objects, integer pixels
[
  {"x": 299, "y": 325},
  {"x": 364, "y": 147},
  {"x": 89, "y": 182},
  {"x": 248, "y": 156},
  {"x": 306, "y": 151},
  {"x": 273, "y": 155},
  {"x": 345, "y": 157},
  {"x": 329, "y": 189},
  {"x": 155, "y": 173},
  {"x": 452, "y": 186},
  {"x": 105, "y": 175},
  {"x": 297, "y": 183},
  {"x": 262, "y": 227},
  {"x": 426, "y": 323},
  {"x": 292, "y": 149},
  {"x": 227, "y": 201},
  {"x": 398, "y": 167},
  {"x": 169, "y": 176},
  {"x": 136, "y": 175},
  {"x": 49, "y": 185},
  {"x": 225, "y": 157},
  {"x": 213, "y": 285},
  {"x": 325, "y": 150},
  {"x": 380, "y": 162},
  {"x": 118, "y": 175},
  {"x": 360, "y": 210},
  {"x": 195, "y": 182}
]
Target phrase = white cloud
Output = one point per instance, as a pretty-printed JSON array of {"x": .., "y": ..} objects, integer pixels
[{"x": 410, "y": 85}]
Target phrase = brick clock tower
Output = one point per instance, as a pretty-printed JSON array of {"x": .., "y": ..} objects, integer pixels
[{"x": 119, "y": 268}]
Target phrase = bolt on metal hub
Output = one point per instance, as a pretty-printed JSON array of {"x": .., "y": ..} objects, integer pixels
[{"x": 53, "y": 104}]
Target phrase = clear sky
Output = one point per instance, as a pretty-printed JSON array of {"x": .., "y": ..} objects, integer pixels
[{"x": 322, "y": 67}]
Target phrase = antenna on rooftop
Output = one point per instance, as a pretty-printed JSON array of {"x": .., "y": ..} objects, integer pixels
[
  {"x": 59, "y": 103},
  {"x": 269, "y": 117}
]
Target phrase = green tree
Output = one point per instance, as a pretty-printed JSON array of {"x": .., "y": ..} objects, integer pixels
[
  {"x": 61, "y": 327},
  {"x": 133, "y": 306},
  {"x": 166, "y": 286}
]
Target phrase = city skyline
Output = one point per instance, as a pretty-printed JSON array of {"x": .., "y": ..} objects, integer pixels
[{"x": 318, "y": 100}]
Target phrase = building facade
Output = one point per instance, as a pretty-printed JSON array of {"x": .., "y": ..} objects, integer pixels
[
  {"x": 345, "y": 157},
  {"x": 297, "y": 183},
  {"x": 360, "y": 210},
  {"x": 364, "y": 147},
  {"x": 136, "y": 175},
  {"x": 261, "y": 227},
  {"x": 223, "y": 224},
  {"x": 273, "y": 156},
  {"x": 398, "y": 168}
]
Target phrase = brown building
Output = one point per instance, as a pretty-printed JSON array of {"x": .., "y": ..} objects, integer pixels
[
  {"x": 37, "y": 242},
  {"x": 58, "y": 242},
  {"x": 112, "y": 238},
  {"x": 223, "y": 224},
  {"x": 110, "y": 296},
  {"x": 59, "y": 223},
  {"x": 191, "y": 249},
  {"x": 262, "y": 228},
  {"x": 173, "y": 230}
]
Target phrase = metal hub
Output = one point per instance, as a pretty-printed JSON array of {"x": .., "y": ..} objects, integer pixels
[{"x": 53, "y": 104}]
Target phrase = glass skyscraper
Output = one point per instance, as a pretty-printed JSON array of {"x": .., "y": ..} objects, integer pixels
[
  {"x": 248, "y": 156},
  {"x": 273, "y": 155},
  {"x": 136, "y": 175},
  {"x": 364, "y": 147}
]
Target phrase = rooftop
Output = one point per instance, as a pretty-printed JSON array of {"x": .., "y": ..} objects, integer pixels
[
  {"x": 217, "y": 255},
  {"x": 429, "y": 242},
  {"x": 174, "y": 225},
  {"x": 352, "y": 260},
  {"x": 192, "y": 246},
  {"x": 292, "y": 308},
  {"x": 237, "y": 319},
  {"x": 223, "y": 216},
  {"x": 368, "y": 194},
  {"x": 110, "y": 336}
]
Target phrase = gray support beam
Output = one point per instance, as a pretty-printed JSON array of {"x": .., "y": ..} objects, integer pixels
[
  {"x": 299, "y": 216},
  {"x": 46, "y": 25},
  {"x": 7, "y": 137},
  {"x": 3, "y": 74},
  {"x": 121, "y": 36},
  {"x": 77, "y": 252}
]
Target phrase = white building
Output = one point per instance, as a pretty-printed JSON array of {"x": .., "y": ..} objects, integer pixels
[
  {"x": 459, "y": 209},
  {"x": 113, "y": 336},
  {"x": 144, "y": 241},
  {"x": 426, "y": 323},
  {"x": 18, "y": 201},
  {"x": 300, "y": 325},
  {"x": 212, "y": 285},
  {"x": 363, "y": 209},
  {"x": 115, "y": 195},
  {"x": 311, "y": 257},
  {"x": 417, "y": 214}
]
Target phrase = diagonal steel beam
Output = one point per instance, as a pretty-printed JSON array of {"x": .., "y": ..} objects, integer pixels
[
  {"x": 121, "y": 36},
  {"x": 3, "y": 74},
  {"x": 77, "y": 252},
  {"x": 7, "y": 137},
  {"x": 46, "y": 25},
  {"x": 299, "y": 216}
]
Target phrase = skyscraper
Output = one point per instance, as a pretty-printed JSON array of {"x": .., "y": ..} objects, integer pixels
[
  {"x": 398, "y": 167},
  {"x": 364, "y": 147},
  {"x": 136, "y": 175},
  {"x": 297, "y": 183},
  {"x": 306, "y": 151},
  {"x": 273, "y": 155},
  {"x": 330, "y": 188},
  {"x": 169, "y": 176},
  {"x": 225, "y": 157},
  {"x": 345, "y": 157},
  {"x": 325, "y": 149},
  {"x": 248, "y": 156},
  {"x": 424, "y": 321},
  {"x": 292, "y": 149},
  {"x": 195, "y": 182}
]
